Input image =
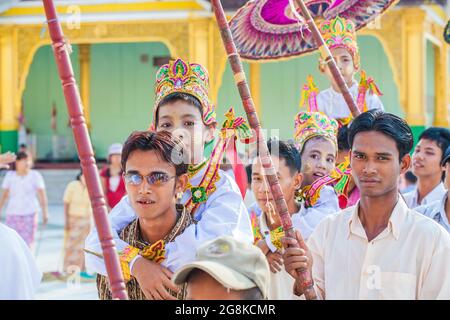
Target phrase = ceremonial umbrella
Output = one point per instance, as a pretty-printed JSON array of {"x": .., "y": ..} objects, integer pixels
[
  {"x": 61, "y": 51},
  {"x": 275, "y": 29}
]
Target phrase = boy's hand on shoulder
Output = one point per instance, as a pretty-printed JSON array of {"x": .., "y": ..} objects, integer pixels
[{"x": 153, "y": 279}]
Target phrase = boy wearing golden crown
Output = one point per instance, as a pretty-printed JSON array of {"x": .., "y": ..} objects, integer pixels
[
  {"x": 340, "y": 36},
  {"x": 182, "y": 107},
  {"x": 316, "y": 135}
]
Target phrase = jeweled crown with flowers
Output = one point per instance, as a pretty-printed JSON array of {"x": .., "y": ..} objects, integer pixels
[
  {"x": 313, "y": 124},
  {"x": 190, "y": 78},
  {"x": 340, "y": 32}
]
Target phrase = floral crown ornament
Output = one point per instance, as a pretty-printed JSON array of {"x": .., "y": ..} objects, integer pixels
[
  {"x": 314, "y": 124},
  {"x": 184, "y": 77},
  {"x": 341, "y": 33}
]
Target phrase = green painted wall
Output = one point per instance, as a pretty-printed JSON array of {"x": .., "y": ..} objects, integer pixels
[
  {"x": 121, "y": 95},
  {"x": 43, "y": 88},
  {"x": 281, "y": 84},
  {"x": 229, "y": 94},
  {"x": 8, "y": 141},
  {"x": 121, "y": 91}
]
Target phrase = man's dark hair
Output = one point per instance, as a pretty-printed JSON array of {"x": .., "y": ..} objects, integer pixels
[
  {"x": 439, "y": 135},
  {"x": 22, "y": 155},
  {"x": 248, "y": 171},
  {"x": 342, "y": 138},
  {"x": 168, "y": 148},
  {"x": 252, "y": 294},
  {"x": 286, "y": 150},
  {"x": 179, "y": 96},
  {"x": 78, "y": 177},
  {"x": 410, "y": 177},
  {"x": 387, "y": 123}
]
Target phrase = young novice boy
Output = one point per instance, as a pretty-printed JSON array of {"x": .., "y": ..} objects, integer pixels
[
  {"x": 426, "y": 166},
  {"x": 315, "y": 135},
  {"x": 340, "y": 36},
  {"x": 182, "y": 107},
  {"x": 265, "y": 221}
]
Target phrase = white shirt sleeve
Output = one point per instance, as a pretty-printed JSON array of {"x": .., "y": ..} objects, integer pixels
[
  {"x": 436, "y": 281},
  {"x": 7, "y": 181},
  {"x": 38, "y": 180},
  {"x": 119, "y": 217},
  {"x": 373, "y": 102},
  {"x": 224, "y": 214},
  {"x": 20, "y": 274},
  {"x": 309, "y": 218}
]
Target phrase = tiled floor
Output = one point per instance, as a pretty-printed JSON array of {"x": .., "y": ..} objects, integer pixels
[{"x": 49, "y": 256}]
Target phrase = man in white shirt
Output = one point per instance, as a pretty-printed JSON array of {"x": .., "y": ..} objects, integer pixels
[
  {"x": 426, "y": 165},
  {"x": 378, "y": 249},
  {"x": 439, "y": 210}
]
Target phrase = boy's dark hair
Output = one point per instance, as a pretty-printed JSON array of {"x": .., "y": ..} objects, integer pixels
[
  {"x": 179, "y": 96},
  {"x": 169, "y": 148},
  {"x": 286, "y": 150},
  {"x": 22, "y": 155},
  {"x": 410, "y": 177},
  {"x": 387, "y": 123},
  {"x": 342, "y": 138},
  {"x": 248, "y": 171},
  {"x": 439, "y": 135},
  {"x": 23, "y": 145}
]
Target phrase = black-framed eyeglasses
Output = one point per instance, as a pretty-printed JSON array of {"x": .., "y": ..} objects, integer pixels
[{"x": 154, "y": 178}]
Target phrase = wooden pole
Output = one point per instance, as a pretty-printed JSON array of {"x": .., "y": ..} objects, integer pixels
[
  {"x": 266, "y": 160},
  {"x": 329, "y": 59},
  {"x": 85, "y": 152}
]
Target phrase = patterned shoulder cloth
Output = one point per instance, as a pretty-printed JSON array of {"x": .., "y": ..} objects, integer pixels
[{"x": 154, "y": 252}]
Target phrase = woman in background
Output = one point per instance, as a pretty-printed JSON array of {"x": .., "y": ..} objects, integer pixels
[
  {"x": 24, "y": 189},
  {"x": 78, "y": 213},
  {"x": 112, "y": 180}
]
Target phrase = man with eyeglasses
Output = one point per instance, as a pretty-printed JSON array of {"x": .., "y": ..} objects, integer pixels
[{"x": 154, "y": 176}]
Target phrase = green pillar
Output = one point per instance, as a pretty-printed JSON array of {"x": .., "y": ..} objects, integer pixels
[
  {"x": 417, "y": 130},
  {"x": 8, "y": 141}
]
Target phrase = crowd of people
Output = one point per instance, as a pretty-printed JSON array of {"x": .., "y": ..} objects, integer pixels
[{"x": 369, "y": 209}]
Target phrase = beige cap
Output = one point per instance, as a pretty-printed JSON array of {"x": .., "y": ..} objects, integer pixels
[{"x": 236, "y": 265}]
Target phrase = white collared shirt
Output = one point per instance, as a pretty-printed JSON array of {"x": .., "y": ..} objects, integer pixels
[
  {"x": 434, "y": 195},
  {"x": 410, "y": 259},
  {"x": 332, "y": 103},
  {"x": 436, "y": 211}
]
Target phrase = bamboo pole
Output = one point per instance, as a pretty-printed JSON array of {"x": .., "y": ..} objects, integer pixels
[
  {"x": 329, "y": 59},
  {"x": 306, "y": 281},
  {"x": 85, "y": 151}
]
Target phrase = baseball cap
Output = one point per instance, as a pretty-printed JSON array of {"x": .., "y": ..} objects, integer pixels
[{"x": 234, "y": 264}]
